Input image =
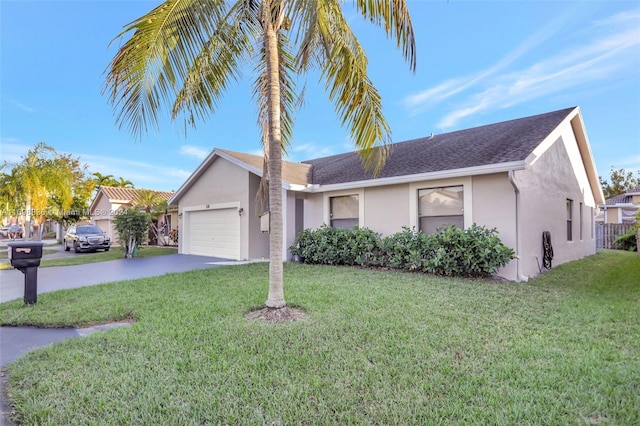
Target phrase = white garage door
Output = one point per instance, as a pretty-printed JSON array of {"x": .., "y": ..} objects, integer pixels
[{"x": 215, "y": 233}]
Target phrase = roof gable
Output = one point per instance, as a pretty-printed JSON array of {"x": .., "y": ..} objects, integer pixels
[{"x": 127, "y": 195}]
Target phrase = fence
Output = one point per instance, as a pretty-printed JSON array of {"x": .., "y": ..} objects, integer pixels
[{"x": 606, "y": 234}]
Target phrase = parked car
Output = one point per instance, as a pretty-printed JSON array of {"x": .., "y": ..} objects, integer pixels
[
  {"x": 14, "y": 232},
  {"x": 4, "y": 231},
  {"x": 85, "y": 238}
]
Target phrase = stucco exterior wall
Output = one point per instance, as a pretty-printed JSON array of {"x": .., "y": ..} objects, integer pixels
[
  {"x": 313, "y": 211},
  {"x": 222, "y": 182},
  {"x": 103, "y": 214},
  {"x": 258, "y": 241},
  {"x": 545, "y": 186},
  {"x": 386, "y": 208},
  {"x": 613, "y": 215},
  {"x": 494, "y": 206}
]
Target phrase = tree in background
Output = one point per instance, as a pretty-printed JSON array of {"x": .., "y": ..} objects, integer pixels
[
  {"x": 108, "y": 180},
  {"x": 132, "y": 226},
  {"x": 621, "y": 181},
  {"x": 186, "y": 53},
  {"x": 11, "y": 197},
  {"x": 43, "y": 175}
]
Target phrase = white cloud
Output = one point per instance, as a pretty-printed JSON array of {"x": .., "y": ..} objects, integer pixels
[
  {"x": 143, "y": 175},
  {"x": 597, "y": 61},
  {"x": 23, "y": 107},
  {"x": 420, "y": 101},
  {"x": 309, "y": 150},
  {"x": 12, "y": 151},
  {"x": 194, "y": 151},
  {"x": 608, "y": 55}
]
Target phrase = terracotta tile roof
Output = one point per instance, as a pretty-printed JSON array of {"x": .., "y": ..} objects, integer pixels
[
  {"x": 131, "y": 195},
  {"x": 497, "y": 143},
  {"x": 295, "y": 173}
]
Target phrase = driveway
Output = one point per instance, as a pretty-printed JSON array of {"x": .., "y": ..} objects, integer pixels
[{"x": 62, "y": 277}]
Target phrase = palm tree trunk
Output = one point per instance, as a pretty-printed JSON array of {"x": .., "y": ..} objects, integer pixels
[{"x": 276, "y": 279}]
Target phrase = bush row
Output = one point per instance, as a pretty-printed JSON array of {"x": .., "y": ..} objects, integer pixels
[{"x": 451, "y": 251}]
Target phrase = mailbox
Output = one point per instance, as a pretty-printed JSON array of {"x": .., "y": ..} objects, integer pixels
[{"x": 25, "y": 256}]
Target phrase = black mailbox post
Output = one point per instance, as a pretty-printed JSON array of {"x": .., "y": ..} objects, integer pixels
[{"x": 25, "y": 256}]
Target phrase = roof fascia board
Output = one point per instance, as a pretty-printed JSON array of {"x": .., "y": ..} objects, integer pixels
[
  {"x": 445, "y": 174},
  {"x": 194, "y": 176},
  {"x": 95, "y": 199},
  {"x": 574, "y": 120},
  {"x": 207, "y": 163},
  {"x": 549, "y": 140},
  {"x": 577, "y": 124}
]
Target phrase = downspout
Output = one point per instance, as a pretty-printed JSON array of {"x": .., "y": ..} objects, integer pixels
[{"x": 517, "y": 192}]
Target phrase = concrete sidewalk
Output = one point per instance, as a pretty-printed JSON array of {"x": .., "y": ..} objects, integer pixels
[{"x": 18, "y": 340}]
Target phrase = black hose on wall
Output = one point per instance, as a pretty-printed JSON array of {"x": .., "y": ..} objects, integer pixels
[{"x": 547, "y": 250}]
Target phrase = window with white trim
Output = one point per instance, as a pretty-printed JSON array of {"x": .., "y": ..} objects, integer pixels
[
  {"x": 438, "y": 207},
  {"x": 569, "y": 220},
  {"x": 581, "y": 221},
  {"x": 344, "y": 211}
]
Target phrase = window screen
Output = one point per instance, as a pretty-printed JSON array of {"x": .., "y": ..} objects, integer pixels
[
  {"x": 438, "y": 207},
  {"x": 344, "y": 211},
  {"x": 569, "y": 220}
]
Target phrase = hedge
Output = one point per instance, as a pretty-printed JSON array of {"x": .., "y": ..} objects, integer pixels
[{"x": 451, "y": 251}]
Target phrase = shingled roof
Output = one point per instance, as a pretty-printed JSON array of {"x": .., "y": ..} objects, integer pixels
[
  {"x": 296, "y": 173},
  {"x": 626, "y": 198},
  {"x": 497, "y": 143}
]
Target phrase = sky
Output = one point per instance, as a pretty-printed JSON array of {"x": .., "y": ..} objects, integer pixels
[{"x": 478, "y": 62}]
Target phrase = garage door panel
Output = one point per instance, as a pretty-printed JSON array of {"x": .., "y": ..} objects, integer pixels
[{"x": 215, "y": 233}]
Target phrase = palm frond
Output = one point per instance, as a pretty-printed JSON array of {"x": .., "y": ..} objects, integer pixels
[
  {"x": 393, "y": 16},
  {"x": 219, "y": 62},
  {"x": 330, "y": 43},
  {"x": 150, "y": 66}
]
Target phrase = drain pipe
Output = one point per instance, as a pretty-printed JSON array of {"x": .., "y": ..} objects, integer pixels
[{"x": 517, "y": 192}]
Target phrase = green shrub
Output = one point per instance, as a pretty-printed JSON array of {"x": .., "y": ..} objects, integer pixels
[
  {"x": 406, "y": 250},
  {"x": 132, "y": 226},
  {"x": 337, "y": 246},
  {"x": 628, "y": 241},
  {"x": 451, "y": 251},
  {"x": 472, "y": 252}
]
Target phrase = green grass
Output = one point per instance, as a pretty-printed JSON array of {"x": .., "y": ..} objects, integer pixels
[
  {"x": 375, "y": 348},
  {"x": 99, "y": 256},
  {"x": 5, "y": 254}
]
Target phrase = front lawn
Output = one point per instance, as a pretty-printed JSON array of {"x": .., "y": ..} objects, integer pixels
[{"x": 375, "y": 347}]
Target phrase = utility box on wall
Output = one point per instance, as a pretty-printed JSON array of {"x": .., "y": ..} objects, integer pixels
[{"x": 264, "y": 223}]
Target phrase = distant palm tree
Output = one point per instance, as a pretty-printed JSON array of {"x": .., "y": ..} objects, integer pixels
[
  {"x": 40, "y": 175},
  {"x": 186, "y": 52},
  {"x": 147, "y": 200},
  {"x": 122, "y": 183}
]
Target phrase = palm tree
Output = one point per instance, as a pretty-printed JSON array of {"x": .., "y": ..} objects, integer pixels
[
  {"x": 186, "y": 52},
  {"x": 123, "y": 183},
  {"x": 102, "y": 180}
]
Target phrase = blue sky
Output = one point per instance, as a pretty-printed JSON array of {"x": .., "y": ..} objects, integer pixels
[{"x": 479, "y": 62}]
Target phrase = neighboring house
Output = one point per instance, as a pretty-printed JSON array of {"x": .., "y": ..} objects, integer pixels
[
  {"x": 110, "y": 200},
  {"x": 523, "y": 177},
  {"x": 621, "y": 208}
]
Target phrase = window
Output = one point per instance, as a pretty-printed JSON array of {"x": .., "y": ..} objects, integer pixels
[
  {"x": 581, "y": 221},
  {"x": 438, "y": 207},
  {"x": 569, "y": 220},
  {"x": 592, "y": 227},
  {"x": 344, "y": 211}
]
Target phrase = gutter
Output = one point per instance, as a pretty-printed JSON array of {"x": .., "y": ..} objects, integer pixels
[
  {"x": 517, "y": 192},
  {"x": 444, "y": 174}
]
